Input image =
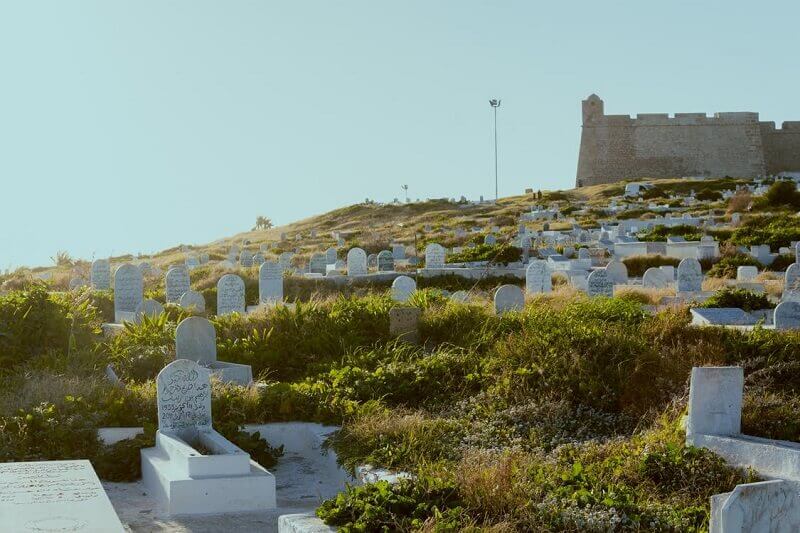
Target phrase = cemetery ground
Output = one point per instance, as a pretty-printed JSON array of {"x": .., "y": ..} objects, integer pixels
[{"x": 564, "y": 416}]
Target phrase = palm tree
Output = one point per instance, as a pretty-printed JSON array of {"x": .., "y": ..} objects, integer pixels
[{"x": 263, "y": 223}]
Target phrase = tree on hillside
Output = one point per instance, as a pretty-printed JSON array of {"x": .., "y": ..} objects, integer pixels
[{"x": 263, "y": 223}]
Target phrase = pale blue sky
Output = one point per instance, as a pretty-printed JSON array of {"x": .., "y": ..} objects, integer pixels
[{"x": 138, "y": 125}]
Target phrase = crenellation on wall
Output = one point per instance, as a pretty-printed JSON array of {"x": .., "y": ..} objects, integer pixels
[{"x": 657, "y": 145}]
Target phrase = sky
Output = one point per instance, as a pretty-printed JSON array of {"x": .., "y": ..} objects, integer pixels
[{"x": 133, "y": 126}]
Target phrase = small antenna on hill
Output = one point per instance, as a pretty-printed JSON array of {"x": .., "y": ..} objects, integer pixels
[
  {"x": 405, "y": 189},
  {"x": 495, "y": 103}
]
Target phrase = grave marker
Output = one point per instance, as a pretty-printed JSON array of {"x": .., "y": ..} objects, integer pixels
[
  {"x": 196, "y": 340},
  {"x": 128, "y": 291},
  {"x": 538, "y": 277},
  {"x": 193, "y": 301},
  {"x": 508, "y": 298},
  {"x": 690, "y": 275},
  {"x": 435, "y": 256},
  {"x": 385, "y": 261},
  {"x": 402, "y": 287},
  {"x": 183, "y": 392},
  {"x": 176, "y": 282},
  {"x": 101, "y": 275},
  {"x": 787, "y": 315},
  {"x": 230, "y": 295},
  {"x": 599, "y": 283},
  {"x": 270, "y": 283},
  {"x": 356, "y": 262}
]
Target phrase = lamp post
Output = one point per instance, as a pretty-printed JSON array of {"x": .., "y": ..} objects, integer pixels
[
  {"x": 405, "y": 189},
  {"x": 495, "y": 104}
]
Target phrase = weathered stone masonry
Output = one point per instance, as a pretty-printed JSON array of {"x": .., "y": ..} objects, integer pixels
[{"x": 618, "y": 147}]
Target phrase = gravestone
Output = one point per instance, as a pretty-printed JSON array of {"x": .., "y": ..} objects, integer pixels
[
  {"x": 183, "y": 392},
  {"x": 490, "y": 240},
  {"x": 736, "y": 219},
  {"x": 270, "y": 283},
  {"x": 54, "y": 496},
  {"x": 193, "y": 301},
  {"x": 204, "y": 258},
  {"x": 404, "y": 323},
  {"x": 385, "y": 261},
  {"x": 460, "y": 297},
  {"x": 508, "y": 298},
  {"x": 192, "y": 262},
  {"x": 787, "y": 315},
  {"x": 246, "y": 259},
  {"x": 149, "y": 308},
  {"x": 356, "y": 262},
  {"x": 145, "y": 268},
  {"x": 285, "y": 260},
  {"x": 402, "y": 287},
  {"x": 599, "y": 283},
  {"x": 76, "y": 283},
  {"x": 196, "y": 340},
  {"x": 128, "y": 291},
  {"x": 330, "y": 256},
  {"x": 797, "y": 252},
  {"x": 258, "y": 259},
  {"x": 372, "y": 261},
  {"x": 101, "y": 275},
  {"x": 435, "y": 256},
  {"x": 230, "y": 295},
  {"x": 398, "y": 251},
  {"x": 654, "y": 278},
  {"x": 538, "y": 277},
  {"x": 176, "y": 282},
  {"x": 618, "y": 272},
  {"x": 318, "y": 264},
  {"x": 690, "y": 275},
  {"x": 791, "y": 283},
  {"x": 583, "y": 253},
  {"x": 746, "y": 273},
  {"x": 761, "y": 507}
]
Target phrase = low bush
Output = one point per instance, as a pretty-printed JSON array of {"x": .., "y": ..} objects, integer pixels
[
  {"x": 775, "y": 230},
  {"x": 660, "y": 233},
  {"x": 637, "y": 265},
  {"x": 727, "y": 266},
  {"x": 741, "y": 298}
]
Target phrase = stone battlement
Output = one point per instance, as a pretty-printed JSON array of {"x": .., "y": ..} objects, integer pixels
[{"x": 659, "y": 145}]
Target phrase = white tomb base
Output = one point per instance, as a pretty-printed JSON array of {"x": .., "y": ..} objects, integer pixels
[{"x": 185, "y": 481}]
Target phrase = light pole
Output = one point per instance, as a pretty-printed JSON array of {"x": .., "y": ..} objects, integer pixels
[
  {"x": 495, "y": 104},
  {"x": 405, "y": 188}
]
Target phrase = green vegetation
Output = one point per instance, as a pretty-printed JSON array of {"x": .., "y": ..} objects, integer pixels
[
  {"x": 774, "y": 230},
  {"x": 781, "y": 194},
  {"x": 637, "y": 265},
  {"x": 660, "y": 233},
  {"x": 563, "y": 415},
  {"x": 726, "y": 267},
  {"x": 742, "y": 298},
  {"x": 495, "y": 254}
]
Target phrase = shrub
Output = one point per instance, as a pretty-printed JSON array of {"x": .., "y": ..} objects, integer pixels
[
  {"x": 707, "y": 195},
  {"x": 728, "y": 265},
  {"x": 637, "y": 265},
  {"x": 660, "y": 233},
  {"x": 782, "y": 193},
  {"x": 495, "y": 254},
  {"x": 774, "y": 230},
  {"x": 733, "y": 297}
]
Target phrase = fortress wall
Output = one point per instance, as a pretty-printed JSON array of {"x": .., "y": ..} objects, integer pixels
[
  {"x": 658, "y": 146},
  {"x": 781, "y": 147}
]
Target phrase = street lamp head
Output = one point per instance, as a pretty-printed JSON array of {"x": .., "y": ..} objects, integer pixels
[{"x": 494, "y": 103}]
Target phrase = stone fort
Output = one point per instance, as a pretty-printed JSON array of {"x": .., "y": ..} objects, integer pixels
[{"x": 618, "y": 147}]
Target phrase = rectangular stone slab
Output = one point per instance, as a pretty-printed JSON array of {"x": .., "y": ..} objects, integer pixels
[{"x": 54, "y": 496}]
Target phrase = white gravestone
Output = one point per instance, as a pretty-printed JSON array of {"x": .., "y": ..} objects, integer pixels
[
  {"x": 787, "y": 315},
  {"x": 618, "y": 272},
  {"x": 128, "y": 291},
  {"x": 746, "y": 273},
  {"x": 176, "y": 282},
  {"x": 690, "y": 275},
  {"x": 791, "y": 283},
  {"x": 196, "y": 340},
  {"x": 193, "y": 301},
  {"x": 460, "y": 297},
  {"x": 402, "y": 287},
  {"x": 149, "y": 308},
  {"x": 385, "y": 261},
  {"x": 54, "y": 496},
  {"x": 762, "y": 507},
  {"x": 270, "y": 282},
  {"x": 285, "y": 260},
  {"x": 230, "y": 295},
  {"x": 508, "y": 298},
  {"x": 398, "y": 251},
  {"x": 538, "y": 277},
  {"x": 183, "y": 392},
  {"x": 599, "y": 283},
  {"x": 331, "y": 256},
  {"x": 318, "y": 264},
  {"x": 356, "y": 262},
  {"x": 654, "y": 278},
  {"x": 258, "y": 259},
  {"x": 435, "y": 256},
  {"x": 101, "y": 275}
]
